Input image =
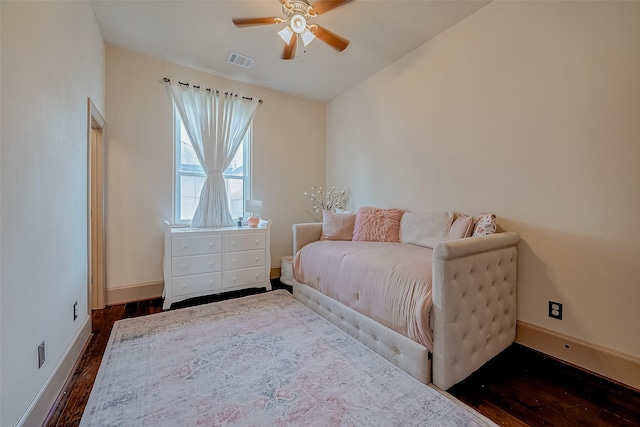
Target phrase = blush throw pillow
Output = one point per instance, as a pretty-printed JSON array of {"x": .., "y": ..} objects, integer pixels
[
  {"x": 485, "y": 224},
  {"x": 377, "y": 225},
  {"x": 462, "y": 227},
  {"x": 425, "y": 229},
  {"x": 337, "y": 226}
]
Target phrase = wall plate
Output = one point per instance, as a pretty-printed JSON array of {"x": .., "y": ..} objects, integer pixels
[
  {"x": 555, "y": 310},
  {"x": 41, "y": 355}
]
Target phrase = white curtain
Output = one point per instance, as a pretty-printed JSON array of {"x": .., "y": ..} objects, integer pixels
[{"x": 216, "y": 123}]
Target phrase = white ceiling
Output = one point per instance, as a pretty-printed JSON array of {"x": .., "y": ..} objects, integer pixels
[{"x": 200, "y": 34}]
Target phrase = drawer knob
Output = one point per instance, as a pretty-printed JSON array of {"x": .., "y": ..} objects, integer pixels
[
  {"x": 184, "y": 286},
  {"x": 184, "y": 266},
  {"x": 234, "y": 279},
  {"x": 211, "y": 245},
  {"x": 184, "y": 246},
  {"x": 257, "y": 275},
  {"x": 257, "y": 259},
  {"x": 211, "y": 264}
]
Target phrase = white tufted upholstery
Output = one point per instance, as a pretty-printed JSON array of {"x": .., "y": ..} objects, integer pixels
[
  {"x": 303, "y": 234},
  {"x": 473, "y": 315},
  {"x": 407, "y": 354},
  {"x": 474, "y": 304}
]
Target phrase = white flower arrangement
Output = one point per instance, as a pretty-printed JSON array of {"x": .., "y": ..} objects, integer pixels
[{"x": 331, "y": 200}]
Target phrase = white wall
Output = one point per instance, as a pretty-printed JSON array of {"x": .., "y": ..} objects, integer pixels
[
  {"x": 1, "y": 116},
  {"x": 288, "y": 157},
  {"x": 529, "y": 110},
  {"x": 52, "y": 61}
]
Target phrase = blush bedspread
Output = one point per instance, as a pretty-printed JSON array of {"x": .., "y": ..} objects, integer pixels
[{"x": 388, "y": 282}]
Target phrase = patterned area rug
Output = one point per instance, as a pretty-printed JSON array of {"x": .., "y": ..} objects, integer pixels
[{"x": 261, "y": 360}]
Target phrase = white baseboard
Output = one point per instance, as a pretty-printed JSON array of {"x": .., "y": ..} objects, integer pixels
[
  {"x": 39, "y": 409},
  {"x": 139, "y": 292},
  {"x": 603, "y": 361}
]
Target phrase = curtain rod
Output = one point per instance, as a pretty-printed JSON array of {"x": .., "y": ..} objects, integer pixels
[{"x": 168, "y": 80}]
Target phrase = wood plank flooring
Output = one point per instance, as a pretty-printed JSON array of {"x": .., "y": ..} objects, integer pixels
[
  {"x": 521, "y": 387},
  {"x": 518, "y": 388},
  {"x": 71, "y": 403}
]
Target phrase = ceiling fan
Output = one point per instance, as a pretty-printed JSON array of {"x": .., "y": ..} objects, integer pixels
[{"x": 297, "y": 13}]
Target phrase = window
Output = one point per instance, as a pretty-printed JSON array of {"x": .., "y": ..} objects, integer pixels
[{"x": 189, "y": 177}]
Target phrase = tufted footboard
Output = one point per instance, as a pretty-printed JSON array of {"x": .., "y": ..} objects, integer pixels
[{"x": 474, "y": 304}]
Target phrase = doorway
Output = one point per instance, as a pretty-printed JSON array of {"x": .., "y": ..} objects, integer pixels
[{"x": 96, "y": 245}]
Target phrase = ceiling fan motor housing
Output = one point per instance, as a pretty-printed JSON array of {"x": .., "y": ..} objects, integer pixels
[{"x": 297, "y": 7}]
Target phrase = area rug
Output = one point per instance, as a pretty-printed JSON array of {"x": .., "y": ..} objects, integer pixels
[{"x": 262, "y": 360}]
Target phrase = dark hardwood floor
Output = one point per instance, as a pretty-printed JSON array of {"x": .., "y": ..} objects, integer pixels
[{"x": 520, "y": 387}]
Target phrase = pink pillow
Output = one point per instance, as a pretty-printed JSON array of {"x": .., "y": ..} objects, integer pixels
[
  {"x": 485, "y": 224},
  {"x": 462, "y": 227},
  {"x": 377, "y": 225},
  {"x": 337, "y": 226}
]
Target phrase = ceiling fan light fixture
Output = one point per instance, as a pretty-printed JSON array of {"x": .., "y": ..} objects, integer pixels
[
  {"x": 307, "y": 36},
  {"x": 298, "y": 23},
  {"x": 285, "y": 34}
]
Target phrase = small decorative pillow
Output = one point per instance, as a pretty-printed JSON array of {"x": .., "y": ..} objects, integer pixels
[
  {"x": 462, "y": 227},
  {"x": 377, "y": 225},
  {"x": 485, "y": 224},
  {"x": 337, "y": 226},
  {"x": 425, "y": 229}
]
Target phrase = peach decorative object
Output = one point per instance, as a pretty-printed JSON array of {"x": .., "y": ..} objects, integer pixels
[{"x": 253, "y": 206}]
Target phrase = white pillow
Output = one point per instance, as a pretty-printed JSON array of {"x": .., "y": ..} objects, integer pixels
[
  {"x": 486, "y": 224},
  {"x": 425, "y": 229}
]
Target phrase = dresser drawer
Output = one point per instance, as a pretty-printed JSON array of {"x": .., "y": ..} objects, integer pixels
[
  {"x": 196, "y": 284},
  {"x": 197, "y": 264},
  {"x": 244, "y": 242},
  {"x": 183, "y": 246},
  {"x": 235, "y": 260},
  {"x": 245, "y": 276}
]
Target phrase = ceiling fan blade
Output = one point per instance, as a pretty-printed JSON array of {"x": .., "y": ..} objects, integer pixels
[
  {"x": 332, "y": 39},
  {"x": 323, "y": 6},
  {"x": 290, "y": 49},
  {"x": 250, "y": 22}
]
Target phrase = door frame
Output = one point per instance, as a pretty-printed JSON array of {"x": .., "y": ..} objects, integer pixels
[{"x": 96, "y": 243}]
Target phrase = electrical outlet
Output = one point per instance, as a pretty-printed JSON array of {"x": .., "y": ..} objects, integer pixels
[
  {"x": 41, "y": 355},
  {"x": 75, "y": 310},
  {"x": 555, "y": 310}
]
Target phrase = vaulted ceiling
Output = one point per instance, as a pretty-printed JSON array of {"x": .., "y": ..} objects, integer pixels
[{"x": 200, "y": 34}]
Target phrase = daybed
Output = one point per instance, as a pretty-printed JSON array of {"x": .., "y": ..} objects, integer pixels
[{"x": 370, "y": 289}]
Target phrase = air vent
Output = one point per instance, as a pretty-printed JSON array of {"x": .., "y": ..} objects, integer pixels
[{"x": 241, "y": 60}]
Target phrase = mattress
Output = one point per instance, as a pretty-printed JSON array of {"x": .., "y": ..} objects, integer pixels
[{"x": 388, "y": 282}]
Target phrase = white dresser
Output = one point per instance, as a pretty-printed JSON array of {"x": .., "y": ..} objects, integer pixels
[{"x": 204, "y": 261}]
